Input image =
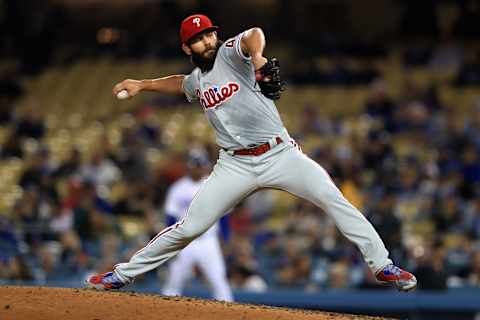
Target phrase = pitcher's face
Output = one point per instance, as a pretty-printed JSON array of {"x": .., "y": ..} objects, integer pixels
[
  {"x": 204, "y": 44},
  {"x": 203, "y": 49}
]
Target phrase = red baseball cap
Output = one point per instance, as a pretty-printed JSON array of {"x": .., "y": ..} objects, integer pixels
[{"x": 193, "y": 25}]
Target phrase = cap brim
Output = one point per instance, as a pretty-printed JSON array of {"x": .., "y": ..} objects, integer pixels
[{"x": 212, "y": 28}]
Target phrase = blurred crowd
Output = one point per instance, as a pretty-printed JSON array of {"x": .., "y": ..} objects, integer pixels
[
  {"x": 411, "y": 164},
  {"x": 429, "y": 32}
]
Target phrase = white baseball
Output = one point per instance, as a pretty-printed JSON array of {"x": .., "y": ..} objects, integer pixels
[{"x": 122, "y": 94}]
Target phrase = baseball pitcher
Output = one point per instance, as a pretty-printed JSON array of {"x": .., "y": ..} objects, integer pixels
[{"x": 236, "y": 86}]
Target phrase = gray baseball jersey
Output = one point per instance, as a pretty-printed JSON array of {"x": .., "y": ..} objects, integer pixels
[{"x": 240, "y": 114}]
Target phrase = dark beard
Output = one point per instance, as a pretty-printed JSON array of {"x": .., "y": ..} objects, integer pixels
[{"x": 205, "y": 64}]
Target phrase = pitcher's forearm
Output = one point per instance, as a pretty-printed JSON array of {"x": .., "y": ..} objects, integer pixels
[{"x": 170, "y": 84}]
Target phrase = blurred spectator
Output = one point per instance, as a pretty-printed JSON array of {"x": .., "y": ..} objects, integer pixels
[
  {"x": 241, "y": 221},
  {"x": 131, "y": 157},
  {"x": 12, "y": 253},
  {"x": 146, "y": 129},
  {"x": 447, "y": 55},
  {"x": 109, "y": 249},
  {"x": 418, "y": 53},
  {"x": 474, "y": 272},
  {"x": 38, "y": 166},
  {"x": 430, "y": 272},
  {"x": 312, "y": 124},
  {"x": 458, "y": 256},
  {"x": 31, "y": 125},
  {"x": 432, "y": 100},
  {"x": 12, "y": 147},
  {"x": 6, "y": 110},
  {"x": 10, "y": 85},
  {"x": 339, "y": 277},
  {"x": 469, "y": 73},
  {"x": 136, "y": 200},
  {"x": 296, "y": 272},
  {"x": 472, "y": 219},
  {"x": 473, "y": 126},
  {"x": 380, "y": 106},
  {"x": 470, "y": 171},
  {"x": 70, "y": 166},
  {"x": 245, "y": 279},
  {"x": 377, "y": 150},
  {"x": 414, "y": 118},
  {"x": 91, "y": 220},
  {"x": 10, "y": 90},
  {"x": 385, "y": 222},
  {"x": 100, "y": 170},
  {"x": 447, "y": 215},
  {"x": 242, "y": 266},
  {"x": 29, "y": 214}
]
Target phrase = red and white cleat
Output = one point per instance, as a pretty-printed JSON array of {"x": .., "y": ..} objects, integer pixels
[
  {"x": 393, "y": 275},
  {"x": 104, "y": 281}
]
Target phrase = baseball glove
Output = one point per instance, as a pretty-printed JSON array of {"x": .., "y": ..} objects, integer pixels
[{"x": 268, "y": 79}]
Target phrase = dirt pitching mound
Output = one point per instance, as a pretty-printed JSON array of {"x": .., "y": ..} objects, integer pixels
[{"x": 41, "y": 303}]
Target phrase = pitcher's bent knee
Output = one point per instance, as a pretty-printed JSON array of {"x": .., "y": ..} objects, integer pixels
[{"x": 191, "y": 231}]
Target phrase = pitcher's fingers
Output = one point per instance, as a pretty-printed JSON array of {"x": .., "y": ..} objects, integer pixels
[{"x": 117, "y": 88}]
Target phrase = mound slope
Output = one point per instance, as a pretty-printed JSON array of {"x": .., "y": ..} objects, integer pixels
[{"x": 42, "y": 303}]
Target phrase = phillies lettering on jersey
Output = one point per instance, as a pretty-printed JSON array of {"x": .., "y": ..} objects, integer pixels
[{"x": 213, "y": 96}]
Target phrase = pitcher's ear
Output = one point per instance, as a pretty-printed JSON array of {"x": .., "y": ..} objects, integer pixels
[{"x": 186, "y": 49}]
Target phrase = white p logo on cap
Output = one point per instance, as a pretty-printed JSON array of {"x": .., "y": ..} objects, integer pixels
[{"x": 196, "y": 21}]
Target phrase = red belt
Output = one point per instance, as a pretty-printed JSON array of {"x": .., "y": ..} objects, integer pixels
[{"x": 256, "y": 151}]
